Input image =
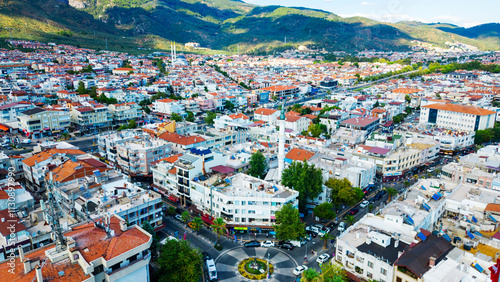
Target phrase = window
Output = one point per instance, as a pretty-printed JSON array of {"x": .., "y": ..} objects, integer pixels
[
  {"x": 399, "y": 279},
  {"x": 383, "y": 271},
  {"x": 370, "y": 264},
  {"x": 243, "y": 203},
  {"x": 369, "y": 275}
]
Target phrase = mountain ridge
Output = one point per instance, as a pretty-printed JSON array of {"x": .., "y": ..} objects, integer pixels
[{"x": 221, "y": 24}]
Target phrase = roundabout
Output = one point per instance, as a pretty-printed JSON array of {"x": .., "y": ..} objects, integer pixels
[{"x": 252, "y": 264}]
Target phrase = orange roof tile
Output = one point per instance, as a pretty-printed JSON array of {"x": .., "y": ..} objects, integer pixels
[
  {"x": 492, "y": 208},
  {"x": 297, "y": 154},
  {"x": 472, "y": 110},
  {"x": 265, "y": 112},
  {"x": 181, "y": 139}
]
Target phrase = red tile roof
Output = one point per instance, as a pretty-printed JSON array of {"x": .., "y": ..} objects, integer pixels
[
  {"x": 472, "y": 110},
  {"x": 265, "y": 112},
  {"x": 297, "y": 154},
  {"x": 181, "y": 139}
]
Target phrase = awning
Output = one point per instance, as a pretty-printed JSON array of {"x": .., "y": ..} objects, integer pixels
[
  {"x": 195, "y": 209},
  {"x": 222, "y": 169},
  {"x": 3, "y": 127}
]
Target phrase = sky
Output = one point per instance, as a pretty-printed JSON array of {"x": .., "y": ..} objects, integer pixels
[{"x": 459, "y": 12}]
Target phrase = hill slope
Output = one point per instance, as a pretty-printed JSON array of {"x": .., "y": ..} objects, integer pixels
[{"x": 218, "y": 24}]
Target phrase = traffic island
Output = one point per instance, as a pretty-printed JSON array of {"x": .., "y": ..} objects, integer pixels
[{"x": 255, "y": 268}]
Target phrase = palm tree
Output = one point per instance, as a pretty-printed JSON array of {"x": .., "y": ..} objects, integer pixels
[
  {"x": 219, "y": 227},
  {"x": 349, "y": 219},
  {"x": 197, "y": 223},
  {"x": 407, "y": 184},
  {"x": 391, "y": 191},
  {"x": 327, "y": 237},
  {"x": 310, "y": 275}
]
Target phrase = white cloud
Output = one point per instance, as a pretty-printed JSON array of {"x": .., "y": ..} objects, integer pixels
[{"x": 367, "y": 4}]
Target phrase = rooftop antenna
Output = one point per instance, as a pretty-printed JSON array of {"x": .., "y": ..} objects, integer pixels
[{"x": 54, "y": 214}]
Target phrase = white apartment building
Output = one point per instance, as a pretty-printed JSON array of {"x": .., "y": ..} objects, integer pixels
[
  {"x": 107, "y": 142},
  {"x": 232, "y": 120},
  {"x": 242, "y": 200},
  {"x": 90, "y": 118},
  {"x": 39, "y": 122},
  {"x": 458, "y": 117},
  {"x": 9, "y": 112},
  {"x": 122, "y": 113},
  {"x": 168, "y": 107},
  {"x": 134, "y": 156},
  {"x": 111, "y": 251}
]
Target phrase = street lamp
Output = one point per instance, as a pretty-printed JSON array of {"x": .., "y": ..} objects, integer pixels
[{"x": 268, "y": 270}]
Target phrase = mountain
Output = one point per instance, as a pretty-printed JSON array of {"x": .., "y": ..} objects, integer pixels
[{"x": 218, "y": 24}]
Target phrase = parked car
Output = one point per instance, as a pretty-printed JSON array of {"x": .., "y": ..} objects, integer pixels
[
  {"x": 285, "y": 245},
  {"x": 252, "y": 244},
  {"x": 26, "y": 141},
  {"x": 354, "y": 211},
  {"x": 206, "y": 256},
  {"x": 341, "y": 227},
  {"x": 191, "y": 224},
  {"x": 323, "y": 258},
  {"x": 267, "y": 244},
  {"x": 312, "y": 234},
  {"x": 299, "y": 269},
  {"x": 364, "y": 204},
  {"x": 178, "y": 217}
]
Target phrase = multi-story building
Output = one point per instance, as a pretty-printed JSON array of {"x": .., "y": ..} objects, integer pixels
[
  {"x": 9, "y": 112},
  {"x": 232, "y": 120},
  {"x": 37, "y": 166},
  {"x": 281, "y": 91},
  {"x": 39, "y": 122},
  {"x": 168, "y": 107},
  {"x": 458, "y": 117},
  {"x": 242, "y": 200},
  {"x": 106, "y": 250},
  {"x": 134, "y": 156},
  {"x": 108, "y": 141},
  {"x": 90, "y": 118},
  {"x": 366, "y": 124},
  {"x": 122, "y": 113},
  {"x": 391, "y": 165}
]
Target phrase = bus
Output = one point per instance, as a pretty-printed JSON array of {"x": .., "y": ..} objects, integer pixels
[{"x": 212, "y": 271}]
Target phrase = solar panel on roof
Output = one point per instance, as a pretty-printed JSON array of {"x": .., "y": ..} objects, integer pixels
[
  {"x": 422, "y": 236},
  {"x": 470, "y": 235},
  {"x": 423, "y": 188},
  {"x": 97, "y": 173},
  {"x": 426, "y": 207},
  {"x": 478, "y": 267},
  {"x": 409, "y": 220},
  {"x": 492, "y": 218},
  {"x": 478, "y": 233},
  {"x": 474, "y": 219}
]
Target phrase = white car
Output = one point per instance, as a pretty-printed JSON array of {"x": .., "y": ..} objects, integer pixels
[
  {"x": 178, "y": 217},
  {"x": 323, "y": 258},
  {"x": 341, "y": 227},
  {"x": 267, "y": 244},
  {"x": 364, "y": 204},
  {"x": 299, "y": 269}
]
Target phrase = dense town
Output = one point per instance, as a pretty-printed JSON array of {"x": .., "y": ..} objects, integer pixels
[{"x": 375, "y": 167}]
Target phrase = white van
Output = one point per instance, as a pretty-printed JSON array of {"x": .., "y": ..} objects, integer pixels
[
  {"x": 297, "y": 243},
  {"x": 212, "y": 271}
]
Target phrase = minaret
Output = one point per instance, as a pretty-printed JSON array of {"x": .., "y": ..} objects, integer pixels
[{"x": 281, "y": 141}]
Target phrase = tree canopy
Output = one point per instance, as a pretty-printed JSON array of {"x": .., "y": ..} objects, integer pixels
[
  {"x": 150, "y": 229},
  {"x": 324, "y": 211},
  {"x": 190, "y": 117},
  {"x": 288, "y": 225},
  {"x": 179, "y": 262},
  {"x": 176, "y": 117},
  {"x": 304, "y": 178},
  {"x": 343, "y": 192},
  {"x": 210, "y": 118},
  {"x": 258, "y": 165}
]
